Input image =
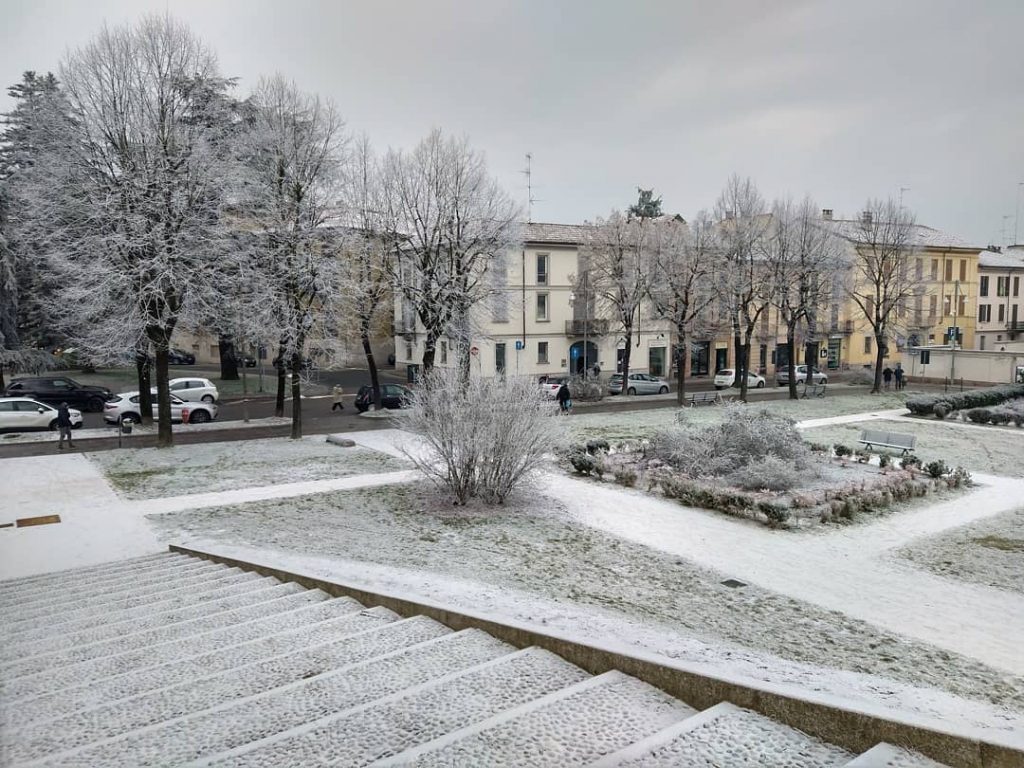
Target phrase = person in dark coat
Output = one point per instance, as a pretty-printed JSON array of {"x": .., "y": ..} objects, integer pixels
[
  {"x": 64, "y": 425},
  {"x": 564, "y": 398},
  {"x": 898, "y": 375},
  {"x": 887, "y": 376}
]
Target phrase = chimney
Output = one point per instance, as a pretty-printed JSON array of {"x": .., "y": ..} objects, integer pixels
[
  {"x": 866, "y": 217},
  {"x": 826, "y": 214}
]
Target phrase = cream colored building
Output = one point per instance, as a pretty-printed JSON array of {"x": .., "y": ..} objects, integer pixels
[{"x": 1000, "y": 298}]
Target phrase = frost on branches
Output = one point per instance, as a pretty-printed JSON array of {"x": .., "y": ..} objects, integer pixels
[{"x": 484, "y": 437}]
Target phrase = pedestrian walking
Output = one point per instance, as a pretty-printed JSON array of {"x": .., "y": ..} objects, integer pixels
[
  {"x": 564, "y": 398},
  {"x": 64, "y": 425},
  {"x": 338, "y": 394},
  {"x": 898, "y": 375},
  {"x": 887, "y": 376}
]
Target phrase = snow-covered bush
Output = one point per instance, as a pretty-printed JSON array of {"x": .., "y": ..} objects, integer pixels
[
  {"x": 979, "y": 415},
  {"x": 936, "y": 469},
  {"x": 941, "y": 410},
  {"x": 585, "y": 389},
  {"x": 768, "y": 474},
  {"x": 861, "y": 376},
  {"x": 626, "y": 476},
  {"x": 483, "y": 437}
]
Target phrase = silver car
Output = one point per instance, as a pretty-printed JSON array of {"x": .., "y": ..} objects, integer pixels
[
  {"x": 639, "y": 384},
  {"x": 817, "y": 377}
]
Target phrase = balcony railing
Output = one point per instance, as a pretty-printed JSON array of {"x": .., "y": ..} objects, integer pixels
[
  {"x": 1015, "y": 325},
  {"x": 592, "y": 326},
  {"x": 845, "y": 327}
]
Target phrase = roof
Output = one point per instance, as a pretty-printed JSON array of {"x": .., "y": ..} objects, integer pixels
[
  {"x": 996, "y": 260},
  {"x": 924, "y": 237},
  {"x": 569, "y": 234}
]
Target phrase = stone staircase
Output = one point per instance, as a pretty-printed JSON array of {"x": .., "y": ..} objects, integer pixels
[{"x": 173, "y": 660}]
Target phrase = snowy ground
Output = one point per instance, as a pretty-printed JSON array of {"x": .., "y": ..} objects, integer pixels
[
  {"x": 144, "y": 473},
  {"x": 838, "y": 611},
  {"x": 86, "y": 434}
]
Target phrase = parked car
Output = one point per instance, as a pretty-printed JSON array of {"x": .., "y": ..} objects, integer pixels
[
  {"x": 550, "y": 386},
  {"x": 60, "y": 389},
  {"x": 195, "y": 390},
  {"x": 126, "y": 406},
  {"x": 306, "y": 364},
  {"x": 24, "y": 413},
  {"x": 639, "y": 384},
  {"x": 247, "y": 361},
  {"x": 727, "y": 378},
  {"x": 817, "y": 377},
  {"x": 180, "y": 357},
  {"x": 392, "y": 396}
]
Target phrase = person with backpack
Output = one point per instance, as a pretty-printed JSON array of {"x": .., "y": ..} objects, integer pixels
[
  {"x": 64, "y": 425},
  {"x": 564, "y": 398}
]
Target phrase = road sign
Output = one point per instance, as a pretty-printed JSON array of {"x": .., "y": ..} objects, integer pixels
[
  {"x": 519, "y": 345},
  {"x": 823, "y": 353},
  {"x": 474, "y": 351}
]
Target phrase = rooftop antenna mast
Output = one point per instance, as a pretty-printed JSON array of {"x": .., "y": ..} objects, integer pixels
[
  {"x": 902, "y": 190},
  {"x": 530, "y": 199}
]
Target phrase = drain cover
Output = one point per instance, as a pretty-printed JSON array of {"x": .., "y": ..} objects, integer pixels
[{"x": 733, "y": 583}]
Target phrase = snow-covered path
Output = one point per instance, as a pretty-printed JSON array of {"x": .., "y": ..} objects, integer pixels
[
  {"x": 846, "y": 570},
  {"x": 850, "y": 418}
]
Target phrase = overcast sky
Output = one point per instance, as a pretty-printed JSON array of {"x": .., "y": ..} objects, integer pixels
[{"x": 840, "y": 100}]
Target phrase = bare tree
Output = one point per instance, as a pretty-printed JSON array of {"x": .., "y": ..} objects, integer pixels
[
  {"x": 743, "y": 221},
  {"x": 295, "y": 155},
  {"x": 803, "y": 258},
  {"x": 128, "y": 191},
  {"x": 882, "y": 243},
  {"x": 447, "y": 219},
  {"x": 686, "y": 264}
]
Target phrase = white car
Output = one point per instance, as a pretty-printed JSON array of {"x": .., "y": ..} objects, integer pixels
[
  {"x": 126, "y": 406},
  {"x": 727, "y": 378},
  {"x": 23, "y": 413},
  {"x": 551, "y": 385},
  {"x": 195, "y": 390}
]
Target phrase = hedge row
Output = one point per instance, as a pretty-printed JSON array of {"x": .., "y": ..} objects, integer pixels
[{"x": 924, "y": 405}]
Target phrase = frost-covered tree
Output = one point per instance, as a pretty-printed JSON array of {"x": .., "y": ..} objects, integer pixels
[
  {"x": 686, "y": 261},
  {"x": 483, "y": 437},
  {"x": 129, "y": 188},
  {"x": 742, "y": 218},
  {"x": 617, "y": 256},
  {"x": 882, "y": 246},
  {"x": 447, "y": 220},
  {"x": 803, "y": 259},
  {"x": 294, "y": 154}
]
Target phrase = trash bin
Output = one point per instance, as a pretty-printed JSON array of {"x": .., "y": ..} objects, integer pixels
[
  {"x": 126, "y": 426},
  {"x": 413, "y": 373}
]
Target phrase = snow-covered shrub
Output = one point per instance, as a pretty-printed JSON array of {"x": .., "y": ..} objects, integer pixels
[
  {"x": 959, "y": 478},
  {"x": 999, "y": 417},
  {"x": 767, "y": 474},
  {"x": 775, "y": 512},
  {"x": 597, "y": 446},
  {"x": 483, "y": 437},
  {"x": 910, "y": 462},
  {"x": 980, "y": 415},
  {"x": 884, "y": 460},
  {"x": 626, "y": 476},
  {"x": 818, "y": 447},
  {"x": 941, "y": 410},
  {"x": 842, "y": 450},
  {"x": 936, "y": 469},
  {"x": 585, "y": 389},
  {"x": 861, "y": 376},
  {"x": 922, "y": 405}
]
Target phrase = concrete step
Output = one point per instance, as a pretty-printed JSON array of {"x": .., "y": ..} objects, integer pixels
[
  {"x": 192, "y": 657},
  {"x": 412, "y": 708},
  {"x": 169, "y": 726},
  {"x": 161, "y": 621},
  {"x": 889, "y": 756},
  {"x": 726, "y": 735},
  {"x": 110, "y": 576},
  {"x": 141, "y": 593},
  {"x": 571, "y": 727},
  {"x": 138, "y": 651},
  {"x": 294, "y": 704},
  {"x": 182, "y": 606},
  {"x": 11, "y": 586},
  {"x": 101, "y": 622}
]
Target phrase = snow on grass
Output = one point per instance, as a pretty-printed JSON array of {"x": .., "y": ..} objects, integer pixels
[
  {"x": 635, "y": 425},
  {"x": 989, "y": 552},
  {"x": 144, "y": 473},
  {"x": 996, "y": 450},
  {"x": 534, "y": 546}
]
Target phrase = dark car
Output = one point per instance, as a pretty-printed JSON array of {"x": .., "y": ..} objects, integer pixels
[
  {"x": 180, "y": 357},
  {"x": 391, "y": 396},
  {"x": 247, "y": 361},
  {"x": 306, "y": 364},
  {"x": 60, "y": 389}
]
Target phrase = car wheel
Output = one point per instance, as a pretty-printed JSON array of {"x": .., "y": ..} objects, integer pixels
[
  {"x": 95, "y": 404},
  {"x": 77, "y": 426},
  {"x": 760, "y": 384},
  {"x": 663, "y": 391},
  {"x": 198, "y": 416},
  {"x": 362, "y": 408},
  {"x": 53, "y": 425},
  {"x": 719, "y": 387},
  {"x": 136, "y": 418},
  {"x": 631, "y": 391},
  {"x": 208, "y": 398}
]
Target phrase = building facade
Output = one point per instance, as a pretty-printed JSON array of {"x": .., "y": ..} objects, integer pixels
[{"x": 1000, "y": 316}]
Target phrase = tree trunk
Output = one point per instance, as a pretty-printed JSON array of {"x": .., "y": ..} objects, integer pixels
[
  {"x": 681, "y": 366},
  {"x": 371, "y": 363},
  {"x": 164, "y": 435},
  {"x": 296, "y": 367},
  {"x": 879, "y": 361},
  {"x": 280, "y": 370},
  {"x": 3, "y": 384},
  {"x": 228, "y": 361},
  {"x": 142, "y": 372},
  {"x": 625, "y": 358},
  {"x": 429, "y": 350},
  {"x": 791, "y": 364},
  {"x": 745, "y": 358}
]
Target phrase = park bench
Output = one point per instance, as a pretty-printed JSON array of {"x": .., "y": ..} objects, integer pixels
[
  {"x": 876, "y": 438},
  {"x": 705, "y": 398},
  {"x": 814, "y": 390}
]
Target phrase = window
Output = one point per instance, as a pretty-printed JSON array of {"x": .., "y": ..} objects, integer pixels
[
  {"x": 984, "y": 313},
  {"x": 542, "y": 352},
  {"x": 949, "y": 270},
  {"x": 444, "y": 352},
  {"x": 917, "y": 309},
  {"x": 408, "y": 351},
  {"x": 933, "y": 301},
  {"x": 919, "y": 269},
  {"x": 214, "y": 351},
  {"x": 947, "y": 305},
  {"x": 1016, "y": 286},
  {"x": 867, "y": 345},
  {"x": 983, "y": 285},
  {"x": 963, "y": 270},
  {"x": 1002, "y": 313},
  {"x": 935, "y": 269},
  {"x": 981, "y": 343},
  {"x": 542, "y": 269},
  {"x": 1002, "y": 286},
  {"x": 8, "y": 406},
  {"x": 542, "y": 307},
  {"x": 961, "y": 306},
  {"x": 499, "y": 358}
]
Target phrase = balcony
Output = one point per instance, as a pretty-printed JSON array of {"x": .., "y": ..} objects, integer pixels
[
  {"x": 1015, "y": 326},
  {"x": 592, "y": 326},
  {"x": 845, "y": 327}
]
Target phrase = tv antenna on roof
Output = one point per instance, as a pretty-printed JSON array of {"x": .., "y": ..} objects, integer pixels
[{"x": 530, "y": 199}]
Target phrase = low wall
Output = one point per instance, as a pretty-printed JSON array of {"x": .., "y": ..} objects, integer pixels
[
  {"x": 971, "y": 365},
  {"x": 855, "y": 731}
]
